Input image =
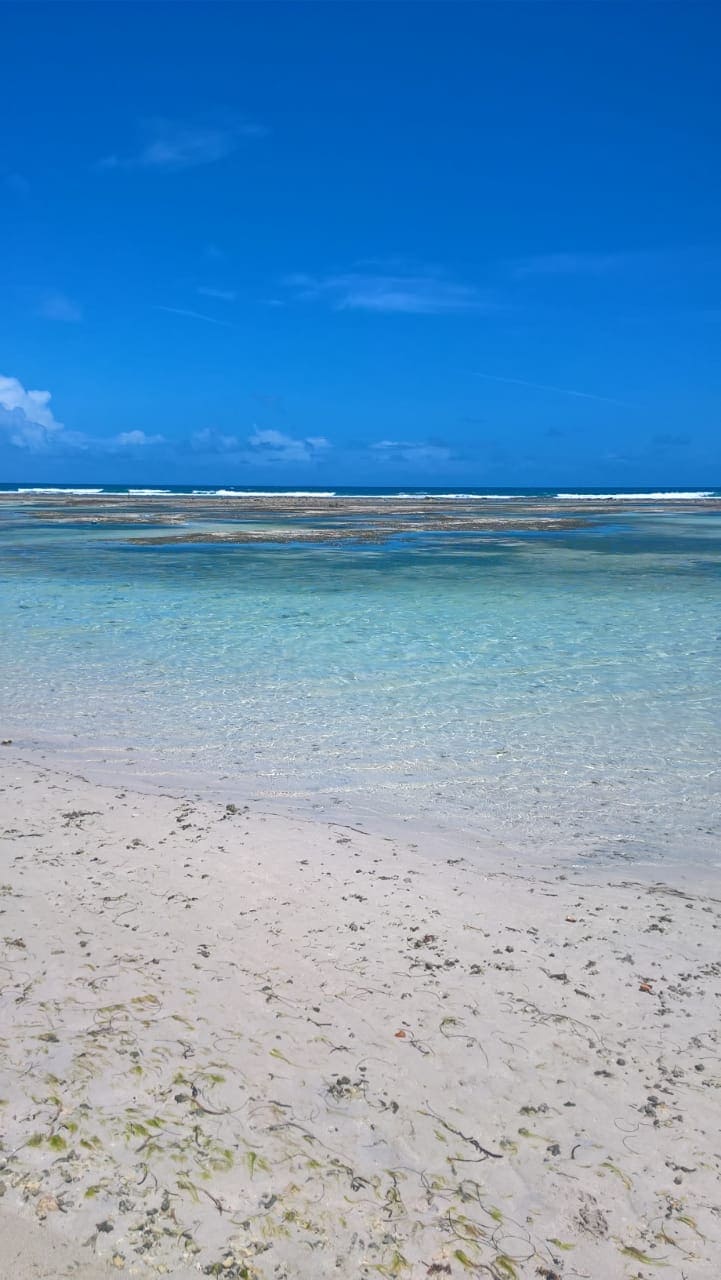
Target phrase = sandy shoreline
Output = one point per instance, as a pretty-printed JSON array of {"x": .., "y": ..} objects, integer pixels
[{"x": 266, "y": 1047}]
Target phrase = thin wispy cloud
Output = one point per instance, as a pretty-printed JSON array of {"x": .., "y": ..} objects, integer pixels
[
  {"x": 561, "y": 391},
  {"x": 417, "y": 294},
  {"x": 193, "y": 315},
  {"x": 668, "y": 441},
  {"x": 171, "y": 145},
  {"x": 600, "y": 262},
  {"x": 17, "y": 184},
  {"x": 270, "y": 400},
  {"x": 221, "y": 295},
  {"x": 570, "y": 264},
  {"x": 57, "y": 306},
  {"x": 706, "y": 315},
  {"x": 415, "y": 452}
]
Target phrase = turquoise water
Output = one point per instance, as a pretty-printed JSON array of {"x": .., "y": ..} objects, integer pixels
[{"x": 552, "y": 690}]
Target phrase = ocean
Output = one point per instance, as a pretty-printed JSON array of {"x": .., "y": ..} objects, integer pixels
[
  {"x": 541, "y": 690},
  {"x": 382, "y": 491}
]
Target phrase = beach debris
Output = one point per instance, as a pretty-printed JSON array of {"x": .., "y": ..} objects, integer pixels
[
  {"x": 236, "y": 1150},
  {"x": 590, "y": 1218},
  {"x": 46, "y": 1204},
  {"x": 75, "y": 816},
  {"x": 630, "y": 1251}
]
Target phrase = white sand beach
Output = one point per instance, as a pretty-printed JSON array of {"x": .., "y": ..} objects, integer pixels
[
  {"x": 360, "y": 653},
  {"x": 245, "y": 1045}
]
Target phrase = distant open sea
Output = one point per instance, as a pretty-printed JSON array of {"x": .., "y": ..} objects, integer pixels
[
  {"x": 547, "y": 690},
  {"x": 340, "y": 491}
]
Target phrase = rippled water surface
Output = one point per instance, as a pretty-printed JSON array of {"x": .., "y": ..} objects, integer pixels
[{"x": 551, "y": 689}]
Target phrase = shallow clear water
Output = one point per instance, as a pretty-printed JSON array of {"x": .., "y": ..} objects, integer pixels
[{"x": 554, "y": 690}]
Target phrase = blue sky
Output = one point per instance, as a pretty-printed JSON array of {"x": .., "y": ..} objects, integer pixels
[{"x": 380, "y": 243}]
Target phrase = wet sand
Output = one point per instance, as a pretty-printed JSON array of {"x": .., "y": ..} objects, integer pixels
[{"x": 255, "y": 1046}]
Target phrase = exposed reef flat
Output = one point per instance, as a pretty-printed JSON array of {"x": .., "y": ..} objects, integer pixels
[
  {"x": 109, "y": 518},
  {"x": 283, "y": 518},
  {"x": 377, "y": 532},
  {"x": 208, "y": 506},
  {"x": 271, "y": 1049}
]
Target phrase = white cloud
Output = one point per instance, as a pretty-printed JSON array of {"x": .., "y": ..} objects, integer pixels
[
  {"x": 276, "y": 446},
  {"x": 134, "y": 440},
  {"x": 173, "y": 145},
  {"x": 27, "y": 422},
  {"x": 26, "y": 417},
  {"x": 264, "y": 445},
  {"x": 56, "y": 306},
  {"x": 419, "y": 294},
  {"x": 211, "y": 441}
]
